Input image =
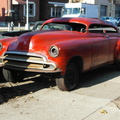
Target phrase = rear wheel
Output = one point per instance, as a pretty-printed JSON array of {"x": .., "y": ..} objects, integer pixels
[
  {"x": 70, "y": 80},
  {"x": 13, "y": 76}
]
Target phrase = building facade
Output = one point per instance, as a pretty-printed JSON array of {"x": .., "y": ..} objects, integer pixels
[
  {"x": 19, "y": 11},
  {"x": 51, "y": 8},
  {"x": 5, "y": 5},
  {"x": 15, "y": 10}
]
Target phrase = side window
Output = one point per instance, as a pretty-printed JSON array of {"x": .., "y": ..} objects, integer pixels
[
  {"x": 76, "y": 10},
  {"x": 94, "y": 28},
  {"x": 67, "y": 11},
  {"x": 78, "y": 27}
]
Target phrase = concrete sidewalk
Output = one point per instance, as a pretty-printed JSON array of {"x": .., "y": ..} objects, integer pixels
[{"x": 97, "y": 98}]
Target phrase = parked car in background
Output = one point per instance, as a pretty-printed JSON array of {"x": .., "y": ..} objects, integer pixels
[
  {"x": 109, "y": 19},
  {"x": 6, "y": 34},
  {"x": 37, "y": 25},
  {"x": 62, "y": 50},
  {"x": 118, "y": 21}
]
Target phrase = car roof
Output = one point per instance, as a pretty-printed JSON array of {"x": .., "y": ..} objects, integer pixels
[{"x": 86, "y": 21}]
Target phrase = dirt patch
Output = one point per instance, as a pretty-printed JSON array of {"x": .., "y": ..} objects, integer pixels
[{"x": 117, "y": 102}]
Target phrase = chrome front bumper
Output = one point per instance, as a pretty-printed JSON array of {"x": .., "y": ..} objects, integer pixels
[{"x": 27, "y": 61}]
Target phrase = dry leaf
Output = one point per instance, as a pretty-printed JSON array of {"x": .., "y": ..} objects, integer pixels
[{"x": 103, "y": 111}]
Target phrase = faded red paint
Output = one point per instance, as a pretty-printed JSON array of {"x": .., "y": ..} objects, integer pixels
[{"x": 94, "y": 49}]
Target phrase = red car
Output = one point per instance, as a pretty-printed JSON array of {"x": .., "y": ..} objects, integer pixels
[{"x": 62, "y": 49}]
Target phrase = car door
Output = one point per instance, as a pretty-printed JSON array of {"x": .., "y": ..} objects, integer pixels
[
  {"x": 100, "y": 46},
  {"x": 100, "y": 49}
]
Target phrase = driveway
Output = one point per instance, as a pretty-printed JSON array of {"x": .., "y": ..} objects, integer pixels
[{"x": 96, "y": 98}]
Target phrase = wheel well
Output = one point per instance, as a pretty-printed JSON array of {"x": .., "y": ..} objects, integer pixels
[{"x": 78, "y": 61}]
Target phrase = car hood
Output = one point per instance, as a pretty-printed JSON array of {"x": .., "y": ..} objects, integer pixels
[{"x": 38, "y": 40}]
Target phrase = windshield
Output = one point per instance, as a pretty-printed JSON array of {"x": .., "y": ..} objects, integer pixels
[
  {"x": 65, "y": 26},
  {"x": 55, "y": 26},
  {"x": 71, "y": 11}
]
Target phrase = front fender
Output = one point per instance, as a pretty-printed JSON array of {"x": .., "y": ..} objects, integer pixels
[
  {"x": 71, "y": 49},
  {"x": 5, "y": 44}
]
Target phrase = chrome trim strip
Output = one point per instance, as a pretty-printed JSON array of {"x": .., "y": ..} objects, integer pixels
[
  {"x": 33, "y": 70},
  {"x": 27, "y": 67},
  {"x": 24, "y": 60},
  {"x": 26, "y": 53},
  {"x": 30, "y": 61}
]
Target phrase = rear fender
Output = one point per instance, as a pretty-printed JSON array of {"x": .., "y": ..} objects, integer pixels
[{"x": 117, "y": 51}]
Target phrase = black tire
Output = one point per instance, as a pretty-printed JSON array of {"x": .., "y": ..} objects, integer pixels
[
  {"x": 117, "y": 65},
  {"x": 13, "y": 76},
  {"x": 70, "y": 80}
]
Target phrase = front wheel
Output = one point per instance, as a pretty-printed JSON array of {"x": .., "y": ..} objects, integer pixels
[
  {"x": 70, "y": 80},
  {"x": 13, "y": 76}
]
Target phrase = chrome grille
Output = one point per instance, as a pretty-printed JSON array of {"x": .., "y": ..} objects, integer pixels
[{"x": 27, "y": 61}]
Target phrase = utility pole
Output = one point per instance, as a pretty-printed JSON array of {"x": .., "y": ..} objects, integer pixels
[{"x": 27, "y": 25}]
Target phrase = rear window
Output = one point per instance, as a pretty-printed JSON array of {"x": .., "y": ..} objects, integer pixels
[{"x": 101, "y": 29}]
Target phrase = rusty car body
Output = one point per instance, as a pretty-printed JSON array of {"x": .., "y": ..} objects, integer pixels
[{"x": 62, "y": 49}]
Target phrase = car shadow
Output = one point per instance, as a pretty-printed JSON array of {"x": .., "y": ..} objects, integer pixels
[
  {"x": 29, "y": 86},
  {"x": 10, "y": 91},
  {"x": 98, "y": 76}
]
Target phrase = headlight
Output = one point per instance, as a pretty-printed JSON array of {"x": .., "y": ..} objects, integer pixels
[
  {"x": 1, "y": 46},
  {"x": 54, "y": 51}
]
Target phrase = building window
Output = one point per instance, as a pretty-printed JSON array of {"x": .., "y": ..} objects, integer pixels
[
  {"x": 103, "y": 10},
  {"x": 32, "y": 9},
  {"x": 56, "y": 12},
  {"x": 117, "y": 11},
  {"x": 16, "y": 13}
]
